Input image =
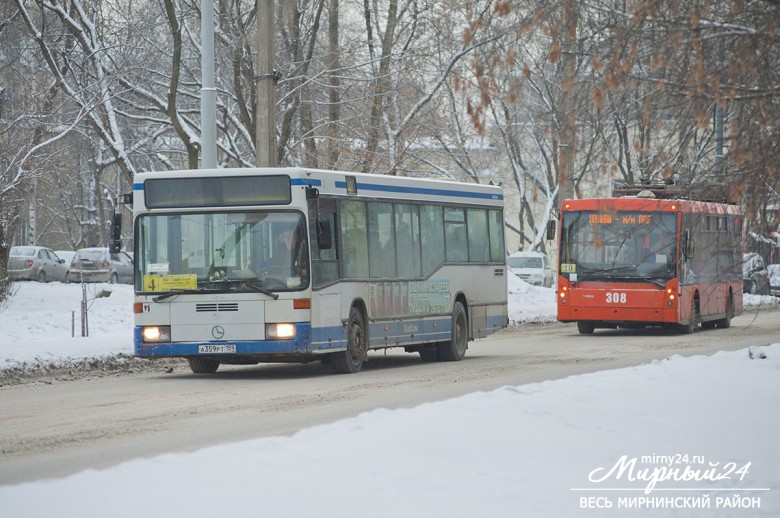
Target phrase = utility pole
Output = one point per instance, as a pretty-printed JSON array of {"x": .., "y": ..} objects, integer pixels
[
  {"x": 265, "y": 81},
  {"x": 208, "y": 92},
  {"x": 568, "y": 118}
]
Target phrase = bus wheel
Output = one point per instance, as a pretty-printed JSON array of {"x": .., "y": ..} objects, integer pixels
[
  {"x": 586, "y": 328},
  {"x": 203, "y": 365},
  {"x": 725, "y": 322},
  {"x": 693, "y": 323},
  {"x": 455, "y": 349},
  {"x": 351, "y": 360}
]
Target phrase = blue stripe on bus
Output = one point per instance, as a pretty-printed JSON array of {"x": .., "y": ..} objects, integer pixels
[
  {"x": 422, "y": 190},
  {"x": 306, "y": 181},
  {"x": 138, "y": 187}
]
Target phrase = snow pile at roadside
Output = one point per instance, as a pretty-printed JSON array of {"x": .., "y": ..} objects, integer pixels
[
  {"x": 37, "y": 323},
  {"x": 529, "y": 304}
]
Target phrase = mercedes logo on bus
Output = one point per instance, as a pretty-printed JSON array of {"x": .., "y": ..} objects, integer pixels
[{"x": 218, "y": 332}]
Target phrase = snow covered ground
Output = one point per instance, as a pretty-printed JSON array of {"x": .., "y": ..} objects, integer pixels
[{"x": 679, "y": 437}]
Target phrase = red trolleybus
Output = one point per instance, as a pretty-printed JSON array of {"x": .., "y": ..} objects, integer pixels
[{"x": 649, "y": 260}]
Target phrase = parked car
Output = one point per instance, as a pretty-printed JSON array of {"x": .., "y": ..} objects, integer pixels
[
  {"x": 774, "y": 279},
  {"x": 755, "y": 277},
  {"x": 36, "y": 263},
  {"x": 98, "y": 265},
  {"x": 532, "y": 267}
]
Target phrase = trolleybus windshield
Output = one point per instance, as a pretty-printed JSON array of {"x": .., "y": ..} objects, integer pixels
[{"x": 628, "y": 245}]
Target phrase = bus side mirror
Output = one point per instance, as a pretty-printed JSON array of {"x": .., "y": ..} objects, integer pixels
[
  {"x": 324, "y": 238},
  {"x": 551, "y": 230},
  {"x": 115, "y": 243}
]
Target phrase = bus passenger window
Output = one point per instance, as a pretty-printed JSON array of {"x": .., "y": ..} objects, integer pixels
[
  {"x": 455, "y": 235},
  {"x": 354, "y": 241},
  {"x": 432, "y": 234},
  {"x": 478, "y": 235}
]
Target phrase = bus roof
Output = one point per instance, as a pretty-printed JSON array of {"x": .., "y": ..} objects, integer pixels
[{"x": 342, "y": 183}]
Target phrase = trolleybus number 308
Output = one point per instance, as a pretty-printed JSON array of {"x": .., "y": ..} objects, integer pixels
[{"x": 616, "y": 298}]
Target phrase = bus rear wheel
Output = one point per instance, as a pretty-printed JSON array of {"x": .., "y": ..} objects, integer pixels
[
  {"x": 203, "y": 365},
  {"x": 351, "y": 360},
  {"x": 586, "y": 328},
  {"x": 455, "y": 349}
]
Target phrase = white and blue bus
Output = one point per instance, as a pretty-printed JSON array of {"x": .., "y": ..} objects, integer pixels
[{"x": 241, "y": 266}]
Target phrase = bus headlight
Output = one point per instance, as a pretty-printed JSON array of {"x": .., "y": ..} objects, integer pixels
[
  {"x": 280, "y": 331},
  {"x": 156, "y": 333}
]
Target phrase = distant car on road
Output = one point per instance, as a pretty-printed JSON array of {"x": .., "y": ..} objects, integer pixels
[
  {"x": 774, "y": 279},
  {"x": 532, "y": 267},
  {"x": 36, "y": 263},
  {"x": 755, "y": 277},
  {"x": 99, "y": 265}
]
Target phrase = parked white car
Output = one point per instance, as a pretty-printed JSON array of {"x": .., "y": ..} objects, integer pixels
[{"x": 532, "y": 267}]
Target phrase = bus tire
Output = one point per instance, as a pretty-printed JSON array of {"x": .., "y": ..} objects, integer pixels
[
  {"x": 725, "y": 322},
  {"x": 203, "y": 365},
  {"x": 693, "y": 322},
  {"x": 454, "y": 349},
  {"x": 586, "y": 328},
  {"x": 351, "y": 360}
]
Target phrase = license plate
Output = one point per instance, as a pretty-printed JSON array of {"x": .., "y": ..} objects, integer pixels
[{"x": 217, "y": 349}]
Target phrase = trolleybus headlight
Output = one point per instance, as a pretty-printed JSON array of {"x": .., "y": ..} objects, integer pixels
[
  {"x": 156, "y": 333},
  {"x": 280, "y": 331}
]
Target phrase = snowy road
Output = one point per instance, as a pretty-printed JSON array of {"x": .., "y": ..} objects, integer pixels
[{"x": 57, "y": 428}]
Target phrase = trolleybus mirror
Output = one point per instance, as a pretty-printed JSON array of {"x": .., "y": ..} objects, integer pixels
[
  {"x": 687, "y": 245},
  {"x": 550, "y": 230}
]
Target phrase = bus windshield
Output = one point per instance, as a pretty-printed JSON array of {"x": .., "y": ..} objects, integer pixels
[
  {"x": 630, "y": 245},
  {"x": 248, "y": 251}
]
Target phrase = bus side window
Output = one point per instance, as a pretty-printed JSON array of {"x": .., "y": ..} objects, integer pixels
[
  {"x": 407, "y": 239},
  {"x": 432, "y": 234},
  {"x": 478, "y": 236},
  {"x": 324, "y": 262},
  {"x": 354, "y": 239},
  {"x": 455, "y": 241}
]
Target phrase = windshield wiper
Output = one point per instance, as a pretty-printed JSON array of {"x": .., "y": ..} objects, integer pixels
[
  {"x": 260, "y": 289},
  {"x": 590, "y": 273},
  {"x": 176, "y": 293}
]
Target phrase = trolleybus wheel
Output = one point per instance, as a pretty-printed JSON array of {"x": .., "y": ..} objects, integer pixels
[
  {"x": 725, "y": 322},
  {"x": 586, "y": 328},
  {"x": 203, "y": 365},
  {"x": 351, "y": 360},
  {"x": 454, "y": 349},
  {"x": 693, "y": 322}
]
